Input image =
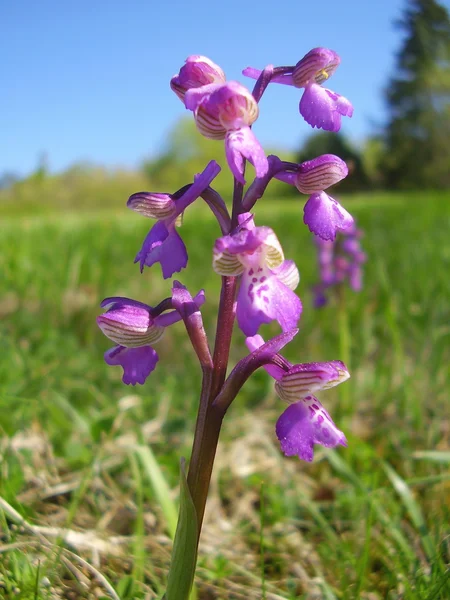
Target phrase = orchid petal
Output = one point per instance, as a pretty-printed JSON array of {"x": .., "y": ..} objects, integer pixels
[
  {"x": 165, "y": 246},
  {"x": 242, "y": 143},
  {"x": 304, "y": 424},
  {"x": 137, "y": 363},
  {"x": 325, "y": 216},
  {"x": 323, "y": 108}
]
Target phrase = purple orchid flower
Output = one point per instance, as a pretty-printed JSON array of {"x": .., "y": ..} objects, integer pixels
[
  {"x": 265, "y": 293},
  {"x": 305, "y": 422},
  {"x": 200, "y": 74},
  {"x": 339, "y": 261},
  {"x": 163, "y": 244},
  {"x": 227, "y": 112},
  {"x": 322, "y": 214},
  {"x": 319, "y": 106},
  {"x": 131, "y": 325}
]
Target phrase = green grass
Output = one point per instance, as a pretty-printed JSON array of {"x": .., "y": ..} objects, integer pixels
[{"x": 369, "y": 521}]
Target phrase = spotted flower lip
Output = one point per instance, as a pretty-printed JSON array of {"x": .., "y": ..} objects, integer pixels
[
  {"x": 198, "y": 73},
  {"x": 319, "y": 106},
  {"x": 325, "y": 216},
  {"x": 305, "y": 422},
  {"x": 323, "y": 108},
  {"x": 265, "y": 292}
]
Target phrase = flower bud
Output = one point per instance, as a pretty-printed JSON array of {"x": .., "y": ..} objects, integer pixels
[
  {"x": 197, "y": 72},
  {"x": 128, "y": 323},
  {"x": 152, "y": 205},
  {"x": 316, "y": 66},
  {"x": 304, "y": 379},
  {"x": 320, "y": 173}
]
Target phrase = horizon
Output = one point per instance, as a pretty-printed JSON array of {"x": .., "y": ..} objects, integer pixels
[{"x": 75, "y": 97}]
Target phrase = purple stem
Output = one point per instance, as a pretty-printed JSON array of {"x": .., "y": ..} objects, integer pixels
[{"x": 209, "y": 417}]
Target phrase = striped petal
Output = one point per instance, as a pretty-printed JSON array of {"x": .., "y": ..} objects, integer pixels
[
  {"x": 152, "y": 205},
  {"x": 308, "y": 378}
]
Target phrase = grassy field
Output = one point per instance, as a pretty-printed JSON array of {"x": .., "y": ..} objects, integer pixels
[{"x": 89, "y": 467}]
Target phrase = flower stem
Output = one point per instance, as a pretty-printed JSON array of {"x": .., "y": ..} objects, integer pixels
[{"x": 209, "y": 417}]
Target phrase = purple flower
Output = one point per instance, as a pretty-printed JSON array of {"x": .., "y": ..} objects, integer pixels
[
  {"x": 137, "y": 363},
  {"x": 305, "y": 422},
  {"x": 325, "y": 216},
  {"x": 320, "y": 107},
  {"x": 200, "y": 74},
  {"x": 339, "y": 260},
  {"x": 163, "y": 244},
  {"x": 131, "y": 325},
  {"x": 322, "y": 214},
  {"x": 227, "y": 113},
  {"x": 323, "y": 108},
  {"x": 265, "y": 292}
]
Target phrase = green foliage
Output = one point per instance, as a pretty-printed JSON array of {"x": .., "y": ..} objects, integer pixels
[
  {"x": 81, "y": 187},
  {"x": 342, "y": 527},
  {"x": 184, "y": 553},
  {"x": 418, "y": 96}
]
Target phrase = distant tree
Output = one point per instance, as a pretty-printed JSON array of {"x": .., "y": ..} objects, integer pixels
[
  {"x": 327, "y": 142},
  {"x": 8, "y": 179},
  {"x": 418, "y": 96}
]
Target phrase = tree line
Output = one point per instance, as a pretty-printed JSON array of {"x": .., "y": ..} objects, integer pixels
[{"x": 411, "y": 150}]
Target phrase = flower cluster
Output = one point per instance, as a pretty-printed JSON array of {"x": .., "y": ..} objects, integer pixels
[
  {"x": 339, "y": 261},
  {"x": 258, "y": 283}
]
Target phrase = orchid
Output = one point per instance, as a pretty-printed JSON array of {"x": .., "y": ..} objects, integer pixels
[
  {"x": 222, "y": 111},
  {"x": 339, "y": 261},
  {"x": 133, "y": 327},
  {"x": 305, "y": 422},
  {"x": 267, "y": 283},
  {"x": 163, "y": 244},
  {"x": 258, "y": 283},
  {"x": 319, "y": 106},
  {"x": 198, "y": 73},
  {"x": 322, "y": 214}
]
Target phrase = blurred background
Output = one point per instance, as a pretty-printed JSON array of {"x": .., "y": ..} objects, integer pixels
[{"x": 87, "y": 118}]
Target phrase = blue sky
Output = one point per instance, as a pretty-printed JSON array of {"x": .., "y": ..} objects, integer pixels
[{"x": 86, "y": 80}]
